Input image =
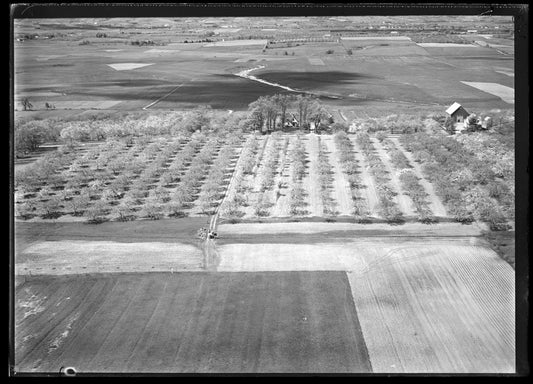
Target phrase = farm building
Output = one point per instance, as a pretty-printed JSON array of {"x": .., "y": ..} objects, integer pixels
[{"x": 457, "y": 112}]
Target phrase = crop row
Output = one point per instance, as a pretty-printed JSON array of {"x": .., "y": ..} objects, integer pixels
[
  {"x": 351, "y": 169},
  {"x": 237, "y": 199},
  {"x": 387, "y": 207},
  {"x": 410, "y": 182},
  {"x": 325, "y": 180},
  {"x": 298, "y": 159},
  {"x": 267, "y": 178}
]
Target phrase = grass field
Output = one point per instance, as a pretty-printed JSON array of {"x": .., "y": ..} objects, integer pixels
[{"x": 224, "y": 322}]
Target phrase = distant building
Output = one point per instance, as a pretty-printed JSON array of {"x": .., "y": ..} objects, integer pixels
[{"x": 457, "y": 113}]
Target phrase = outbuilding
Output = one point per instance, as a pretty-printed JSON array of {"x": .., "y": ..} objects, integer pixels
[{"x": 457, "y": 113}]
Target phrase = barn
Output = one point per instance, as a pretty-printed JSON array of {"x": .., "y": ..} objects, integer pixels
[{"x": 457, "y": 113}]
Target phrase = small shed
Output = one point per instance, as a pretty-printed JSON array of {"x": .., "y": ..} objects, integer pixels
[{"x": 457, "y": 113}]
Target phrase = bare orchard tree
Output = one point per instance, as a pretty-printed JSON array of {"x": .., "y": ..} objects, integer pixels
[{"x": 26, "y": 105}]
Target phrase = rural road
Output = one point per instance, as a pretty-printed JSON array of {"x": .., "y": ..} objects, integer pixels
[{"x": 163, "y": 97}]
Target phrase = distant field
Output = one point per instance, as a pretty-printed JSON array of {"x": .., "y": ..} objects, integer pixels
[
  {"x": 445, "y": 45},
  {"x": 505, "y": 93},
  {"x": 236, "y": 43},
  {"x": 207, "y": 73},
  {"x": 224, "y": 322}
]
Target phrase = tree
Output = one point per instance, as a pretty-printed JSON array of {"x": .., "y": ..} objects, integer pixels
[
  {"x": 283, "y": 102},
  {"x": 123, "y": 211},
  {"x": 152, "y": 210},
  {"x": 267, "y": 107},
  {"x": 24, "y": 211},
  {"x": 302, "y": 106},
  {"x": 317, "y": 113},
  {"x": 52, "y": 207},
  {"x": 29, "y": 136},
  {"x": 174, "y": 209},
  {"x": 96, "y": 213},
  {"x": 198, "y": 119},
  {"x": 449, "y": 125},
  {"x": 77, "y": 204},
  {"x": 255, "y": 119},
  {"x": 26, "y": 104}
]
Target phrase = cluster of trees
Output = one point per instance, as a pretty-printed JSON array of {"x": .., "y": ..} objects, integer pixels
[
  {"x": 461, "y": 179},
  {"x": 44, "y": 171},
  {"x": 142, "y": 43},
  {"x": 387, "y": 207},
  {"x": 325, "y": 180},
  {"x": 391, "y": 123},
  {"x": 495, "y": 152},
  {"x": 272, "y": 112},
  {"x": 350, "y": 167},
  {"x": 198, "y": 41},
  {"x": 120, "y": 178},
  {"x": 31, "y": 134}
]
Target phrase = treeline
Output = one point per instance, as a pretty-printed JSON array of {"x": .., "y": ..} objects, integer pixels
[
  {"x": 29, "y": 135},
  {"x": 390, "y": 124}
]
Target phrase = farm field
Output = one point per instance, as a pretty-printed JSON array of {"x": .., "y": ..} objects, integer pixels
[
  {"x": 110, "y": 75},
  {"x": 426, "y": 304},
  {"x": 264, "y": 195},
  {"x": 194, "y": 322},
  {"x": 428, "y": 297}
]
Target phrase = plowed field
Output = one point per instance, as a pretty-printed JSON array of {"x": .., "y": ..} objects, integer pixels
[{"x": 194, "y": 322}]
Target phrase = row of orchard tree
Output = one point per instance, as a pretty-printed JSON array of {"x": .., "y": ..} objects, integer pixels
[{"x": 270, "y": 113}]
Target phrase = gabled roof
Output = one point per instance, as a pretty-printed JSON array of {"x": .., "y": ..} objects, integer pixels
[{"x": 454, "y": 107}]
